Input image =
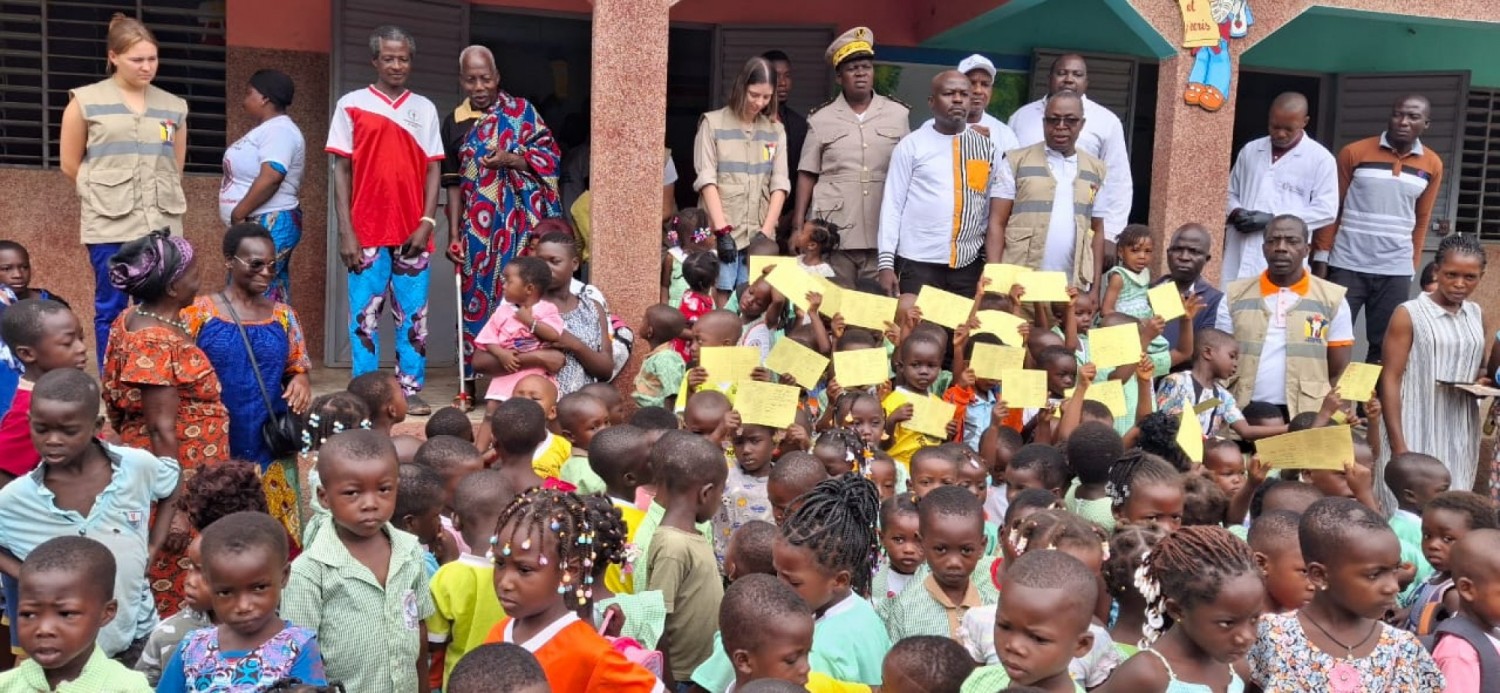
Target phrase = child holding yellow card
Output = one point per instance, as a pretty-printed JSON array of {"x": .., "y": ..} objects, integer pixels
[
  {"x": 919, "y": 360},
  {"x": 1198, "y": 390},
  {"x": 976, "y": 398}
]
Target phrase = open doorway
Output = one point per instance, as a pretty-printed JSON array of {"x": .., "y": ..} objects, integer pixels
[{"x": 1255, "y": 92}]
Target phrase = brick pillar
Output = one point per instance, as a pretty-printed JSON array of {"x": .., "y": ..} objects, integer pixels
[{"x": 629, "y": 131}]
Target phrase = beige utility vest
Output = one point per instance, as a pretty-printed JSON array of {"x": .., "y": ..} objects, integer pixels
[
  {"x": 128, "y": 183},
  {"x": 746, "y": 166},
  {"x": 1031, "y": 214},
  {"x": 1307, "y": 325}
]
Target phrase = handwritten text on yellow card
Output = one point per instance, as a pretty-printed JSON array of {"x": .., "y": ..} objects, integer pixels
[
  {"x": 790, "y": 358},
  {"x": 1043, "y": 286},
  {"x": 861, "y": 367},
  {"x": 990, "y": 361},
  {"x": 1024, "y": 389},
  {"x": 930, "y": 416},
  {"x": 1001, "y": 324},
  {"x": 767, "y": 404},
  {"x": 867, "y": 310},
  {"x": 947, "y": 309},
  {"x": 1329, "y": 447},
  {"x": 729, "y": 364},
  {"x": 1115, "y": 346},
  {"x": 793, "y": 283},
  {"x": 1358, "y": 382},
  {"x": 1166, "y": 302}
]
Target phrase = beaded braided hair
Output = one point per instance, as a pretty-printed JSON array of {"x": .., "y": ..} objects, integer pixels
[
  {"x": 861, "y": 455},
  {"x": 330, "y": 415},
  {"x": 609, "y": 531},
  {"x": 1189, "y": 566},
  {"x": 1136, "y": 468},
  {"x": 541, "y": 512},
  {"x": 1054, "y": 529},
  {"x": 838, "y": 521}
]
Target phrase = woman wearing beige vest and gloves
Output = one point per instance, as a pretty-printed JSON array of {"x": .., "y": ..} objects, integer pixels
[
  {"x": 740, "y": 156},
  {"x": 123, "y": 144}
]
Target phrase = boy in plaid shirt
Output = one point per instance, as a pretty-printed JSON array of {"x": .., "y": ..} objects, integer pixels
[{"x": 951, "y": 524}]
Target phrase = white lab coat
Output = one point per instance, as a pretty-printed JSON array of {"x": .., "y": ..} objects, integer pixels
[{"x": 1304, "y": 182}]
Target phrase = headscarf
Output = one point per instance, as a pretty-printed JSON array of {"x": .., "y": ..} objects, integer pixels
[
  {"x": 145, "y": 267},
  {"x": 275, "y": 86}
]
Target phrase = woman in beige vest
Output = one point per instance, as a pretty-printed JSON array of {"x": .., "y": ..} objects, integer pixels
[
  {"x": 123, "y": 144},
  {"x": 740, "y": 157}
]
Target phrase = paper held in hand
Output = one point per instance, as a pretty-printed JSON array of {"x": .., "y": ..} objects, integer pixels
[
  {"x": 861, "y": 367},
  {"x": 1329, "y": 447},
  {"x": 729, "y": 364},
  {"x": 991, "y": 361},
  {"x": 1001, "y": 324},
  {"x": 1190, "y": 436},
  {"x": 870, "y": 311},
  {"x": 767, "y": 404},
  {"x": 1166, "y": 302},
  {"x": 930, "y": 416},
  {"x": 1357, "y": 384},
  {"x": 1002, "y": 276},
  {"x": 1115, "y": 346},
  {"x": 790, "y": 281},
  {"x": 1474, "y": 389},
  {"x": 947, "y": 309},
  {"x": 790, "y": 358},
  {"x": 1024, "y": 389},
  {"x": 1110, "y": 393},
  {"x": 1043, "y": 286}
]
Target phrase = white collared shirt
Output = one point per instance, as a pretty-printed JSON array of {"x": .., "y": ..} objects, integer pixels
[
  {"x": 1104, "y": 137},
  {"x": 1303, "y": 182},
  {"x": 1062, "y": 229},
  {"x": 1000, "y": 133}
]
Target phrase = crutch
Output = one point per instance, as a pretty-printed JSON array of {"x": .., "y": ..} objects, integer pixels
[{"x": 458, "y": 304}]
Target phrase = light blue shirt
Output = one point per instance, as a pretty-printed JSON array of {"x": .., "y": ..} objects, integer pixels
[
  {"x": 120, "y": 519},
  {"x": 977, "y": 417}
]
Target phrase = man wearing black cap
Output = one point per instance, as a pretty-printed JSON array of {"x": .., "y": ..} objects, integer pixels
[{"x": 263, "y": 172}]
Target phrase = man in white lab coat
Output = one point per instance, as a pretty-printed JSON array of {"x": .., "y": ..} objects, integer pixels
[
  {"x": 1103, "y": 137},
  {"x": 1287, "y": 172}
]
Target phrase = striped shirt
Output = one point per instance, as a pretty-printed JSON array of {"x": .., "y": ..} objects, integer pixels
[
  {"x": 1387, "y": 206},
  {"x": 937, "y": 198}
]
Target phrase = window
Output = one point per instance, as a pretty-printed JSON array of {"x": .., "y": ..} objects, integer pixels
[
  {"x": 49, "y": 47},
  {"x": 1479, "y": 167}
]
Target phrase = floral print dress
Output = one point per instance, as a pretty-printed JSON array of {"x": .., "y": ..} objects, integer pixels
[{"x": 1284, "y": 659}]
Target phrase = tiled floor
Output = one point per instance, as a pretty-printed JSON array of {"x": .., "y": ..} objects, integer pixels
[{"x": 442, "y": 385}]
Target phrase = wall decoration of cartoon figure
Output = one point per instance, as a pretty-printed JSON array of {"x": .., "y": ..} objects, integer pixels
[{"x": 1208, "y": 25}]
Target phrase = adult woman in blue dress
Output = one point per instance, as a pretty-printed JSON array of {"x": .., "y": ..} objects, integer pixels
[{"x": 263, "y": 173}]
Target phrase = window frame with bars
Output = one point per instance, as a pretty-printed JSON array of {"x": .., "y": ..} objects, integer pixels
[
  {"x": 48, "y": 47},
  {"x": 1478, "y": 169}
]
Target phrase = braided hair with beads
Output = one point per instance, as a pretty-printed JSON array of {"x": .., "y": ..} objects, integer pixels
[
  {"x": 541, "y": 512},
  {"x": 1189, "y": 566},
  {"x": 1137, "y": 468},
  {"x": 859, "y": 453},
  {"x": 609, "y": 532},
  {"x": 838, "y": 522},
  {"x": 1054, "y": 529},
  {"x": 330, "y": 415}
]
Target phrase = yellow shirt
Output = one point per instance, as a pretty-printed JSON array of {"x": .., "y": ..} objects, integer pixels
[
  {"x": 550, "y": 456},
  {"x": 614, "y": 576},
  {"x": 823, "y": 683},
  {"x": 463, "y": 593},
  {"x": 905, "y": 442}
]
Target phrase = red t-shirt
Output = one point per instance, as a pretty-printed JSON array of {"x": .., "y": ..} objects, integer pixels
[
  {"x": 17, "y": 455},
  {"x": 389, "y": 143}
]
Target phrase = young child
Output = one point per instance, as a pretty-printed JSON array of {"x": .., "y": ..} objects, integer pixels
[
  {"x": 1127, "y": 283},
  {"x": 813, "y": 243},
  {"x": 520, "y": 324},
  {"x": 661, "y": 373},
  {"x": 1446, "y": 519},
  {"x": 715, "y": 329},
  {"x": 44, "y": 336},
  {"x": 15, "y": 272},
  {"x": 383, "y": 399},
  {"x": 519, "y": 427},
  {"x": 951, "y": 527},
  {"x": 972, "y": 474},
  {"x": 1203, "y": 502},
  {"x": 1129, "y": 547},
  {"x": 454, "y": 460},
  {"x": 931, "y": 468},
  {"x": 85, "y": 487},
  {"x": 901, "y": 555},
  {"x": 498, "y": 668},
  {"x": 1061, "y": 366},
  {"x": 1037, "y": 466},
  {"x": 554, "y": 449},
  {"x": 244, "y": 568},
  {"x": 1026, "y": 504},
  {"x": 750, "y": 551},
  {"x": 977, "y": 399},
  {"x": 1042, "y": 624},
  {"x": 581, "y": 417},
  {"x": 885, "y": 473},
  {"x": 710, "y": 414},
  {"x": 1144, "y": 489},
  {"x": 1091, "y": 450},
  {"x": 998, "y": 447},
  {"x": 918, "y": 361},
  {"x": 795, "y": 473},
  {"x": 196, "y": 612},
  {"x": 700, "y": 271},
  {"x": 1475, "y": 562},
  {"x": 419, "y": 507},
  {"x": 1337, "y": 641},
  {"x": 1412, "y": 480},
  {"x": 1202, "y": 578},
  {"x": 745, "y": 494},
  {"x": 465, "y": 607},
  {"x": 613, "y": 401},
  {"x": 328, "y": 416},
  {"x": 773, "y": 633},
  {"x": 1216, "y": 360},
  {"x": 687, "y": 232},
  {"x": 368, "y": 624},
  {"x": 66, "y": 599},
  {"x": 541, "y": 546},
  {"x": 691, "y": 476},
  {"x": 924, "y": 664},
  {"x": 449, "y": 421},
  {"x": 1273, "y": 539},
  {"x": 621, "y": 455},
  {"x": 1224, "y": 465}
]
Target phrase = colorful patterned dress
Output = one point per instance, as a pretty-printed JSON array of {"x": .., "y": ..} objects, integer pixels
[
  {"x": 501, "y": 206},
  {"x": 163, "y": 357},
  {"x": 280, "y": 352},
  {"x": 1283, "y": 659}
]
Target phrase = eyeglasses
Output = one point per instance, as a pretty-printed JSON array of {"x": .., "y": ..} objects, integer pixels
[
  {"x": 1069, "y": 122},
  {"x": 256, "y": 266}
]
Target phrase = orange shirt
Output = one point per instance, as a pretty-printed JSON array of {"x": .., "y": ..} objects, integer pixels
[{"x": 579, "y": 660}]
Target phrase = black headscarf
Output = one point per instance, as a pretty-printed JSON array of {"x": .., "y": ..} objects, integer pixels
[{"x": 275, "y": 86}]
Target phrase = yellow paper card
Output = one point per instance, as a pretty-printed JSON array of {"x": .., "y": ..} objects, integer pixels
[
  {"x": 1166, "y": 302},
  {"x": 758, "y": 263},
  {"x": 1198, "y": 26},
  {"x": 1329, "y": 447},
  {"x": 729, "y": 364},
  {"x": 1024, "y": 389},
  {"x": 1002, "y": 276},
  {"x": 930, "y": 416},
  {"x": 867, "y": 310},
  {"x": 1001, "y": 324},
  {"x": 1357, "y": 384},
  {"x": 1110, "y": 393},
  {"x": 767, "y": 404},
  {"x": 947, "y": 309},
  {"x": 833, "y": 296},
  {"x": 790, "y": 358},
  {"x": 991, "y": 361},
  {"x": 861, "y": 367},
  {"x": 1043, "y": 286},
  {"x": 1115, "y": 346},
  {"x": 793, "y": 283},
  {"x": 1190, "y": 436}
]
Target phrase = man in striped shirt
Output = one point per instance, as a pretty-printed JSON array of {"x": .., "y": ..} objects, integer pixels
[{"x": 1387, "y": 187}]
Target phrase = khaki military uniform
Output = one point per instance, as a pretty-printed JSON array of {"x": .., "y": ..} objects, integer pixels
[
  {"x": 128, "y": 183},
  {"x": 850, "y": 157}
]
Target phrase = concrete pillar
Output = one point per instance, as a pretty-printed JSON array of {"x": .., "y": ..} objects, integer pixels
[{"x": 629, "y": 129}]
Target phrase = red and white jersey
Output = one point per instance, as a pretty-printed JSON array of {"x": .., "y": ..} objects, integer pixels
[{"x": 389, "y": 143}]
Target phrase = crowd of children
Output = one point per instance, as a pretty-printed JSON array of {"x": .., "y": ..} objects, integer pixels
[{"x": 921, "y": 529}]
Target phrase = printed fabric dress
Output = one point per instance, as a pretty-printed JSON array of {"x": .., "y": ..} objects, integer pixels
[
  {"x": 292, "y": 653},
  {"x": 501, "y": 206},
  {"x": 1283, "y": 659},
  {"x": 280, "y": 352},
  {"x": 158, "y": 356}
]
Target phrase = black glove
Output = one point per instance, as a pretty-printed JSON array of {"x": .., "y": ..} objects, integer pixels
[
  {"x": 728, "y": 252},
  {"x": 1252, "y": 222}
]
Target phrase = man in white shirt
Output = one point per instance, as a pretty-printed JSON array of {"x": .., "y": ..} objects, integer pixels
[
  {"x": 937, "y": 201},
  {"x": 1103, "y": 137},
  {"x": 1286, "y": 172},
  {"x": 981, "y": 74}
]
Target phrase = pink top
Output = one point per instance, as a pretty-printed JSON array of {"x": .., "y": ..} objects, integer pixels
[
  {"x": 504, "y": 330},
  {"x": 1459, "y": 663}
]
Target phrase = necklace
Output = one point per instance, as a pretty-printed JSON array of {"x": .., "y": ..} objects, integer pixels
[
  {"x": 1348, "y": 649},
  {"x": 179, "y": 324}
]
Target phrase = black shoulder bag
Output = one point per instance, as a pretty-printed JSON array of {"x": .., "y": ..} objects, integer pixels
[{"x": 279, "y": 432}]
